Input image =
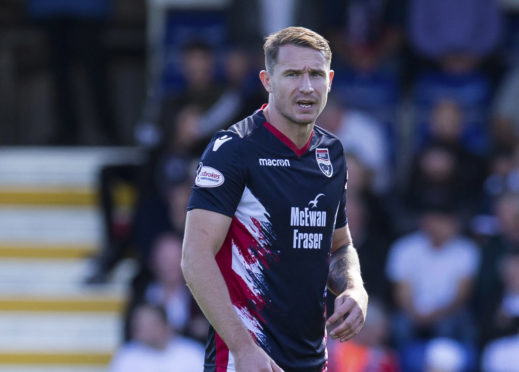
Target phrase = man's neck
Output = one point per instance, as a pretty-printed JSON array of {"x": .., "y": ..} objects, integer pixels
[{"x": 299, "y": 134}]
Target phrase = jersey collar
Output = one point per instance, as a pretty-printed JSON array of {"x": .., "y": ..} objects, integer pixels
[{"x": 287, "y": 141}]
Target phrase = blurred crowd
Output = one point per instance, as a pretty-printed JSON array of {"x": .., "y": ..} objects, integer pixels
[{"x": 425, "y": 100}]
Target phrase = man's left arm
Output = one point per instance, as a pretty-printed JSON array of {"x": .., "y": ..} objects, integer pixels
[{"x": 345, "y": 281}]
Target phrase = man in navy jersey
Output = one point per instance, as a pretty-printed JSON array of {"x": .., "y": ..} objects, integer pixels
[{"x": 266, "y": 231}]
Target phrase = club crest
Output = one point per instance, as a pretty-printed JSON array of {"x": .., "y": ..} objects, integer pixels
[{"x": 323, "y": 160}]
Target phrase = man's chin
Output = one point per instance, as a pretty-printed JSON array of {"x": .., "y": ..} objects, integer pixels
[{"x": 303, "y": 119}]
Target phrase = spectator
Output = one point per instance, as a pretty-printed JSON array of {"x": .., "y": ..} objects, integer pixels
[
  {"x": 168, "y": 169},
  {"x": 506, "y": 318},
  {"x": 154, "y": 347},
  {"x": 371, "y": 227},
  {"x": 432, "y": 270},
  {"x": 369, "y": 350},
  {"x": 366, "y": 37},
  {"x": 506, "y": 112},
  {"x": 241, "y": 81},
  {"x": 496, "y": 285},
  {"x": 447, "y": 127},
  {"x": 456, "y": 45},
  {"x": 436, "y": 177},
  {"x": 501, "y": 355},
  {"x": 220, "y": 99},
  {"x": 242, "y": 94},
  {"x": 75, "y": 32},
  {"x": 503, "y": 177},
  {"x": 458, "y": 80},
  {"x": 362, "y": 135},
  {"x": 446, "y": 124},
  {"x": 198, "y": 81},
  {"x": 359, "y": 185},
  {"x": 164, "y": 285}
]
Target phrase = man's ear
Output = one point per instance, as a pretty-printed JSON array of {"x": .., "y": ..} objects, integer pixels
[
  {"x": 265, "y": 80},
  {"x": 332, "y": 74}
]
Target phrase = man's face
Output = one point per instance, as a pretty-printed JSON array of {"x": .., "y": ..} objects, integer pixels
[{"x": 299, "y": 83}]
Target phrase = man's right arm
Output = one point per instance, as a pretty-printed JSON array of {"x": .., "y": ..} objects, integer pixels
[{"x": 204, "y": 234}]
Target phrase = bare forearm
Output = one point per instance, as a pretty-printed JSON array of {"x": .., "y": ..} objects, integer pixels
[
  {"x": 344, "y": 270},
  {"x": 345, "y": 282},
  {"x": 205, "y": 281}
]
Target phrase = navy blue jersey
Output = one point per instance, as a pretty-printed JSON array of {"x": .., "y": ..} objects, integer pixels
[{"x": 285, "y": 204}]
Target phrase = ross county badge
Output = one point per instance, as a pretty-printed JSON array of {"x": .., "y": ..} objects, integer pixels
[{"x": 323, "y": 160}]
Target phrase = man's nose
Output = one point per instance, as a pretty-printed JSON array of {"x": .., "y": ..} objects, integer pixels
[{"x": 306, "y": 84}]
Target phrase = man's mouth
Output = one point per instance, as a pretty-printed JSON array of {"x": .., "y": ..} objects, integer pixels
[{"x": 305, "y": 104}]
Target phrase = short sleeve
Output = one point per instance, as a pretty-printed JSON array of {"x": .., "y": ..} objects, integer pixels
[
  {"x": 341, "y": 220},
  {"x": 221, "y": 175}
]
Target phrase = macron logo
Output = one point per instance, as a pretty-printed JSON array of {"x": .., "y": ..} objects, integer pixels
[
  {"x": 220, "y": 141},
  {"x": 274, "y": 162}
]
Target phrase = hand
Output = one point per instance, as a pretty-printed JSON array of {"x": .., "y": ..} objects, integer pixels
[
  {"x": 349, "y": 314},
  {"x": 254, "y": 359}
]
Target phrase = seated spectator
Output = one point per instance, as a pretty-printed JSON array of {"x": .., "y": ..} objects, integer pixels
[
  {"x": 501, "y": 355},
  {"x": 167, "y": 168},
  {"x": 176, "y": 26},
  {"x": 375, "y": 93},
  {"x": 446, "y": 126},
  {"x": 505, "y": 125},
  {"x": 369, "y": 350},
  {"x": 433, "y": 270},
  {"x": 198, "y": 83},
  {"x": 506, "y": 319},
  {"x": 155, "y": 347},
  {"x": 242, "y": 93},
  {"x": 496, "y": 290},
  {"x": 457, "y": 80},
  {"x": 371, "y": 231},
  {"x": 164, "y": 285},
  {"x": 220, "y": 99},
  {"x": 371, "y": 228},
  {"x": 455, "y": 46},
  {"x": 502, "y": 178},
  {"x": 363, "y": 136},
  {"x": 366, "y": 37},
  {"x": 437, "y": 177}
]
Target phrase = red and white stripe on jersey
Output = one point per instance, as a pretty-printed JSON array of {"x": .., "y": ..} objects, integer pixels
[{"x": 242, "y": 260}]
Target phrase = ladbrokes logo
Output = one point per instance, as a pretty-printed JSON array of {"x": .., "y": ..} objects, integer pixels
[
  {"x": 308, "y": 217},
  {"x": 208, "y": 176}
]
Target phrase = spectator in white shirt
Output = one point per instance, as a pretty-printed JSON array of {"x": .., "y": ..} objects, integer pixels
[
  {"x": 432, "y": 270},
  {"x": 154, "y": 347}
]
